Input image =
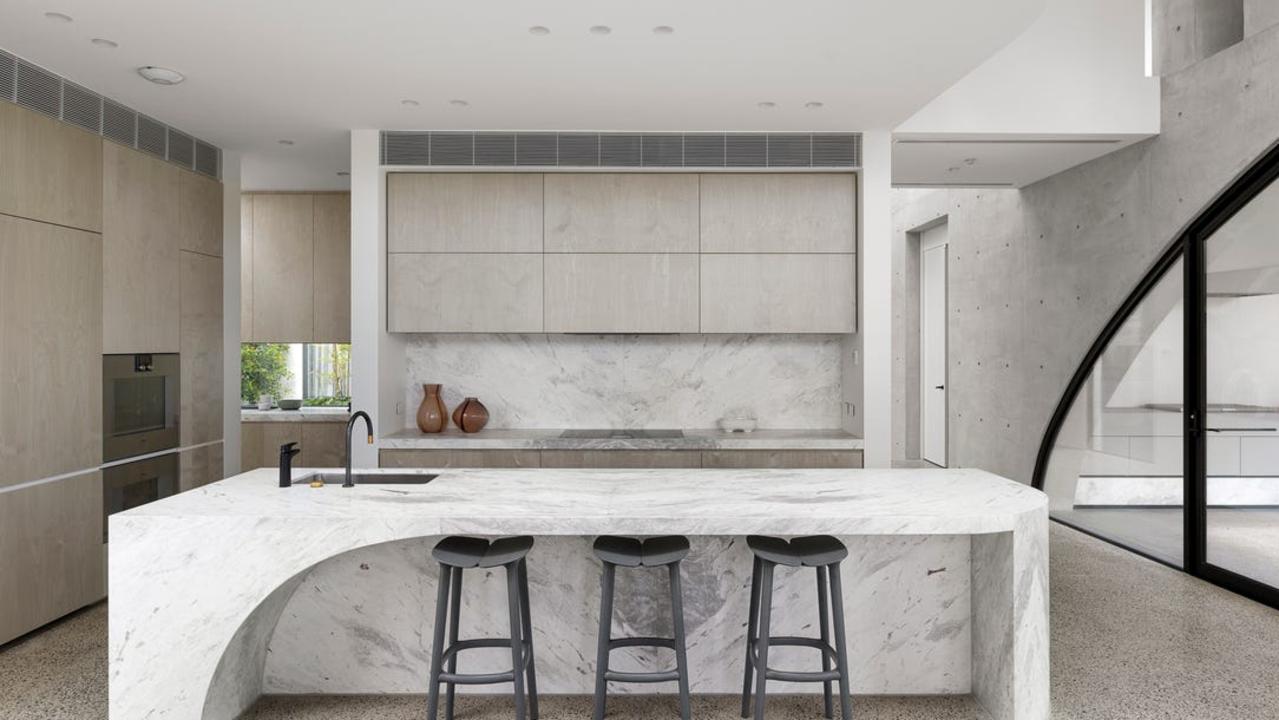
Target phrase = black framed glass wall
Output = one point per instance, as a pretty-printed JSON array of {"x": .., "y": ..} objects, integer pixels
[{"x": 1167, "y": 439}]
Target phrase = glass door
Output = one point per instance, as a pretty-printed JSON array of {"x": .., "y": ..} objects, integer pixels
[{"x": 1239, "y": 505}]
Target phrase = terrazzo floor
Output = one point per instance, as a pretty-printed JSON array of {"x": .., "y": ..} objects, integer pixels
[{"x": 1131, "y": 640}]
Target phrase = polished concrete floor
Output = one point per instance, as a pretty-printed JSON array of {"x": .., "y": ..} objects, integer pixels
[{"x": 1131, "y": 640}]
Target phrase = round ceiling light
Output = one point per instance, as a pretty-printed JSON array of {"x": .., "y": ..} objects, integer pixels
[
  {"x": 160, "y": 75},
  {"x": 105, "y": 43},
  {"x": 58, "y": 17},
  {"x": 601, "y": 29},
  {"x": 285, "y": 142},
  {"x": 409, "y": 103},
  {"x": 663, "y": 30},
  {"x": 767, "y": 105},
  {"x": 539, "y": 30},
  {"x": 814, "y": 105},
  {"x": 970, "y": 161},
  {"x": 459, "y": 103}
]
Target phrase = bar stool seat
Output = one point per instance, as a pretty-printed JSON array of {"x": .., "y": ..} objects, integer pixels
[
  {"x": 458, "y": 553},
  {"x": 824, "y": 554},
  {"x": 614, "y": 552}
]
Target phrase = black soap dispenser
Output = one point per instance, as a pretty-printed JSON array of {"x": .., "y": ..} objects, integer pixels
[{"x": 287, "y": 451}]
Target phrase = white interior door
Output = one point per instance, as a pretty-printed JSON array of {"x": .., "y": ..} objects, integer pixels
[{"x": 932, "y": 345}]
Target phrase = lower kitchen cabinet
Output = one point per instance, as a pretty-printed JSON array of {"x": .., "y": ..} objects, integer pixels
[
  {"x": 459, "y": 459},
  {"x": 53, "y": 561},
  {"x": 323, "y": 444},
  {"x": 794, "y": 459},
  {"x": 621, "y": 459},
  {"x": 199, "y": 467}
]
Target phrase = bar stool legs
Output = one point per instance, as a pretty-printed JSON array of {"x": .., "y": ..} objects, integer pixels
[{"x": 629, "y": 552}]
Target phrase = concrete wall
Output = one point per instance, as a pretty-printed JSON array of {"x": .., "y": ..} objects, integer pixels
[
  {"x": 1036, "y": 273},
  {"x": 1187, "y": 31},
  {"x": 1259, "y": 15}
]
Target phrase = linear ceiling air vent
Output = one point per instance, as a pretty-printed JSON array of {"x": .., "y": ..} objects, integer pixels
[
  {"x": 34, "y": 87},
  {"x": 181, "y": 149},
  {"x": 38, "y": 89},
  {"x": 81, "y": 107},
  {"x": 8, "y": 75},
  {"x": 621, "y": 150},
  {"x": 206, "y": 159}
]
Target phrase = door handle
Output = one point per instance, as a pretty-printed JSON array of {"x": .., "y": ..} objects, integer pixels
[
  {"x": 940, "y": 387},
  {"x": 1241, "y": 429}
]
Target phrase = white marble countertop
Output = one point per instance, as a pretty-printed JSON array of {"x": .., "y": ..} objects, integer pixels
[
  {"x": 550, "y": 439},
  {"x": 588, "y": 502},
  {"x": 306, "y": 414}
]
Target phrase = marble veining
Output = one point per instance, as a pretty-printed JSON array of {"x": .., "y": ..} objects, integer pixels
[
  {"x": 550, "y": 439},
  {"x": 197, "y": 580},
  {"x": 632, "y": 381}
]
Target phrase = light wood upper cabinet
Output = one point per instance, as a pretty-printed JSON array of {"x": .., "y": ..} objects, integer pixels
[
  {"x": 602, "y": 213},
  {"x": 779, "y": 213},
  {"x": 140, "y": 229},
  {"x": 246, "y": 269},
  {"x": 50, "y": 350},
  {"x": 332, "y": 268},
  {"x": 200, "y": 214},
  {"x": 49, "y": 170},
  {"x": 638, "y": 293},
  {"x": 496, "y": 292},
  {"x": 283, "y": 274},
  {"x": 201, "y": 359},
  {"x": 778, "y": 293},
  {"x": 464, "y": 212}
]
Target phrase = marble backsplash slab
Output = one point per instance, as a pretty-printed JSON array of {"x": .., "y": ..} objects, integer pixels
[{"x": 632, "y": 381}]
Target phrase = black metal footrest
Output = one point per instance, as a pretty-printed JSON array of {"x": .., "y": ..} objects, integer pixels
[
  {"x": 796, "y": 675},
  {"x": 483, "y": 678},
  {"x": 641, "y": 677}
]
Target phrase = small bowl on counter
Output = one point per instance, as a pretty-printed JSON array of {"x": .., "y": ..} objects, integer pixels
[
  {"x": 739, "y": 424},
  {"x": 290, "y": 404}
]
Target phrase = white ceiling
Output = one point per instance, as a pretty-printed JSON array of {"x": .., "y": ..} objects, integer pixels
[{"x": 260, "y": 70}]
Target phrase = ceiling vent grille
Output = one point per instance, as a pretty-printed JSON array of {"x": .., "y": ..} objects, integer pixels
[
  {"x": 38, "y": 89},
  {"x": 81, "y": 107},
  {"x": 621, "y": 150},
  {"x": 8, "y": 75},
  {"x": 34, "y": 87},
  {"x": 152, "y": 136}
]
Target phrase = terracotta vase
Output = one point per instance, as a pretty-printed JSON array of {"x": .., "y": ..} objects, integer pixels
[
  {"x": 471, "y": 415},
  {"x": 432, "y": 416}
]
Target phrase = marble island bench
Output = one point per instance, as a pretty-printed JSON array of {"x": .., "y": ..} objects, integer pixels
[{"x": 242, "y": 588}]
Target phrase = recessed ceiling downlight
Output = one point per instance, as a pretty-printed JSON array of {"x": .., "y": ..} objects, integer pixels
[
  {"x": 406, "y": 102},
  {"x": 459, "y": 103},
  {"x": 663, "y": 30},
  {"x": 105, "y": 43},
  {"x": 601, "y": 30},
  {"x": 539, "y": 30},
  {"x": 766, "y": 105},
  {"x": 814, "y": 105},
  {"x": 285, "y": 142},
  {"x": 161, "y": 75},
  {"x": 58, "y": 17}
]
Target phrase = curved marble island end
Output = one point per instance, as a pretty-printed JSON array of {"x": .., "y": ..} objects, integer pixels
[{"x": 241, "y": 587}]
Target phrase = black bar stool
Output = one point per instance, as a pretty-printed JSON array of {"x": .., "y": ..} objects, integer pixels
[
  {"x": 456, "y": 554},
  {"x": 817, "y": 551},
  {"x": 630, "y": 552}
]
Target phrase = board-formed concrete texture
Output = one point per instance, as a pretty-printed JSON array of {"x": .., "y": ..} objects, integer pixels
[{"x": 1036, "y": 273}]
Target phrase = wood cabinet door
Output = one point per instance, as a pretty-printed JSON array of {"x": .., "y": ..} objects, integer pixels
[
  {"x": 332, "y": 268},
  {"x": 140, "y": 231},
  {"x": 323, "y": 445},
  {"x": 464, "y": 212},
  {"x": 766, "y": 293},
  {"x": 779, "y": 213},
  {"x": 200, "y": 466},
  {"x": 468, "y": 292},
  {"x": 798, "y": 459},
  {"x": 621, "y": 293},
  {"x": 459, "y": 458},
  {"x": 49, "y": 170},
  {"x": 246, "y": 269},
  {"x": 260, "y": 443},
  {"x": 621, "y": 212},
  {"x": 200, "y": 214},
  {"x": 283, "y": 275},
  {"x": 201, "y": 348},
  {"x": 50, "y": 350}
]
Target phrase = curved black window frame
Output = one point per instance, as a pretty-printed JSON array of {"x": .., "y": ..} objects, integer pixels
[{"x": 1190, "y": 246}]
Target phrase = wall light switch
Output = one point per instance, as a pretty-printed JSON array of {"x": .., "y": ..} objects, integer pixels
[
  {"x": 399, "y": 408},
  {"x": 857, "y": 357}
]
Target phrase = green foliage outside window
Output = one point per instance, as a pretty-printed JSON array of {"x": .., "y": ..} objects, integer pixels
[{"x": 264, "y": 367}]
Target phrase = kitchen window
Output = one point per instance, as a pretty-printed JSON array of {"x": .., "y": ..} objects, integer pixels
[{"x": 317, "y": 373}]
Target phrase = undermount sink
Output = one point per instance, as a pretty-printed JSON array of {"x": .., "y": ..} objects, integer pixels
[{"x": 372, "y": 478}]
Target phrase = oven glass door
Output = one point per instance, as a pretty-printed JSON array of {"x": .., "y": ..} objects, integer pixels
[
  {"x": 137, "y": 483},
  {"x": 140, "y": 404}
]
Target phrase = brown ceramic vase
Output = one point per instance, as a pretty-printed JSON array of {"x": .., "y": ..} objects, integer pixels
[
  {"x": 471, "y": 415},
  {"x": 432, "y": 416}
]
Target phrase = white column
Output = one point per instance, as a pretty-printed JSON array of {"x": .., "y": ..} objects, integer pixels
[
  {"x": 877, "y": 298},
  {"x": 230, "y": 313}
]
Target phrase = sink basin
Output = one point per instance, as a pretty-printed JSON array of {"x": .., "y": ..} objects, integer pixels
[{"x": 373, "y": 479}]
